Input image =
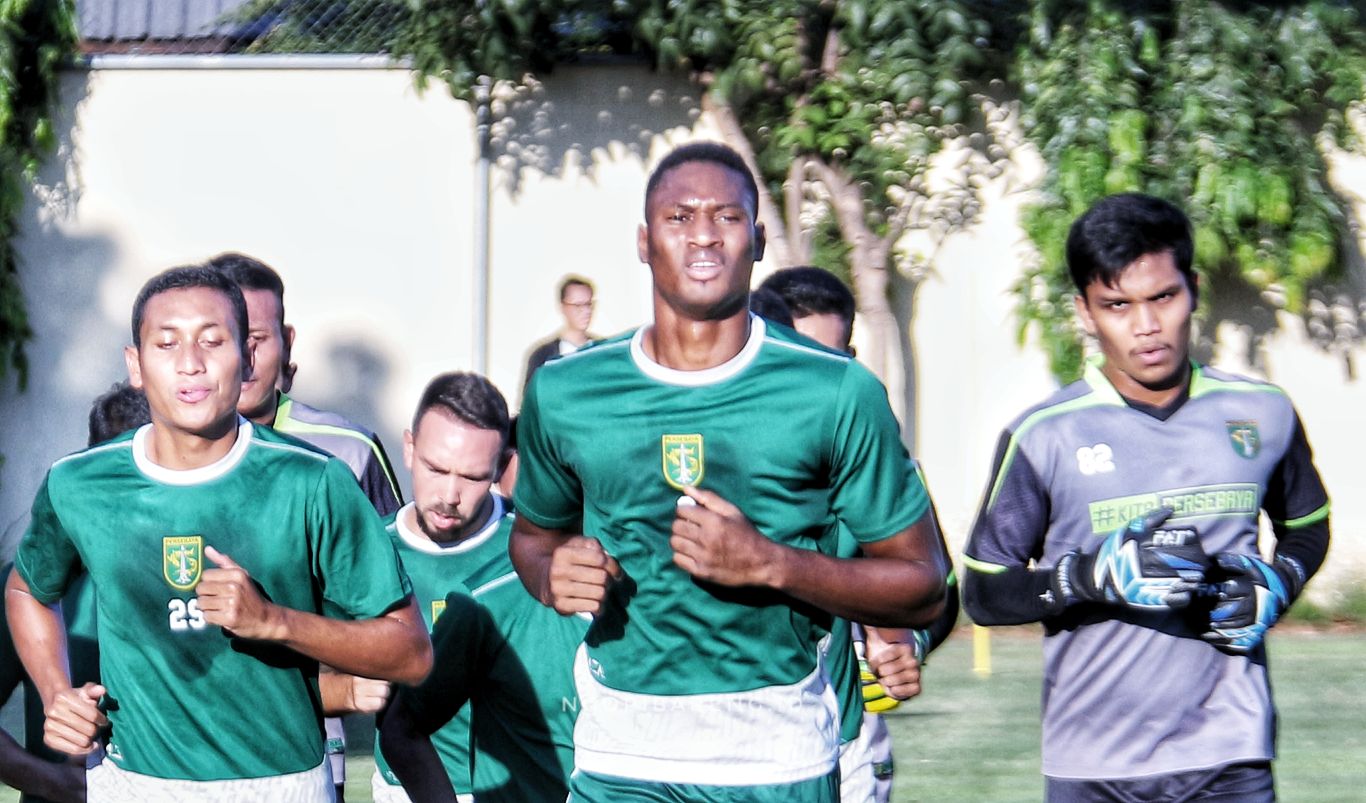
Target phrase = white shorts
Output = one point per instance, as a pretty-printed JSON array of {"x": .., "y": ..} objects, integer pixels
[
  {"x": 383, "y": 792},
  {"x": 107, "y": 781}
]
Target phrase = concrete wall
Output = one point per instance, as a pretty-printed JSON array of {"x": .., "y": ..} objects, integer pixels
[{"x": 361, "y": 192}]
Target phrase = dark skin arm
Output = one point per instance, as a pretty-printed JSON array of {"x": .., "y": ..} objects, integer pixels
[
  {"x": 411, "y": 756},
  {"x": 393, "y": 647},
  {"x": 570, "y": 573},
  {"x": 899, "y": 583},
  {"x": 62, "y": 782}
]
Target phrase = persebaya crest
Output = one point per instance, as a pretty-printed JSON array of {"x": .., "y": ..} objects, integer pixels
[
  {"x": 1243, "y": 435},
  {"x": 182, "y": 561},
  {"x": 683, "y": 459}
]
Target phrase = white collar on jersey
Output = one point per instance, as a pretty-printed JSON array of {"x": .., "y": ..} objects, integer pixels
[
  {"x": 707, "y": 376},
  {"x": 190, "y": 476},
  {"x": 422, "y": 543}
]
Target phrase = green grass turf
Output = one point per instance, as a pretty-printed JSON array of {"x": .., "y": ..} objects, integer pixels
[{"x": 970, "y": 738}]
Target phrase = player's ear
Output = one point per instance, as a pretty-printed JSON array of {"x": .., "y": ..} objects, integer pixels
[
  {"x": 643, "y": 243},
  {"x": 760, "y": 241},
  {"x": 408, "y": 449},
  {"x": 1084, "y": 314},
  {"x": 130, "y": 358}
]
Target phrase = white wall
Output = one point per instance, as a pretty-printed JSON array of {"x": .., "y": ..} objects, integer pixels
[{"x": 361, "y": 192}]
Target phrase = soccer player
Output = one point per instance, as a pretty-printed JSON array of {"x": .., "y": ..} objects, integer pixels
[
  {"x": 266, "y": 402},
  {"x": 1155, "y": 670},
  {"x": 34, "y": 769},
  {"x": 576, "y": 306},
  {"x": 214, "y": 547},
  {"x": 704, "y": 458},
  {"x": 495, "y": 719},
  {"x": 822, "y": 308}
]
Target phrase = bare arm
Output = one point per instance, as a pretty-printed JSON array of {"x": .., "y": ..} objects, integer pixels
[
  {"x": 350, "y": 694},
  {"x": 570, "y": 573},
  {"x": 898, "y": 583},
  {"x": 63, "y": 782},
  {"x": 72, "y": 717},
  {"x": 392, "y": 647}
]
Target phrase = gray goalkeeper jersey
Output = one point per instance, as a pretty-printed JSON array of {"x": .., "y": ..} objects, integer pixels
[{"x": 1129, "y": 693}]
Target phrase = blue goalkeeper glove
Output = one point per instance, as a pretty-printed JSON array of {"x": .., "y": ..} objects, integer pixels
[
  {"x": 1251, "y": 598},
  {"x": 1140, "y": 565}
]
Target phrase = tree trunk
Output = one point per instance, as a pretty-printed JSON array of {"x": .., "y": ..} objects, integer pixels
[{"x": 779, "y": 253}]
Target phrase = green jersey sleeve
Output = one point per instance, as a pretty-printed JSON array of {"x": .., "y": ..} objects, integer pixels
[
  {"x": 47, "y": 558},
  {"x": 356, "y": 563},
  {"x": 874, "y": 488},
  {"x": 549, "y": 493}
]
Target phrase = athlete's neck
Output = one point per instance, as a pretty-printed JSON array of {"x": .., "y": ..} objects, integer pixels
[
  {"x": 266, "y": 415},
  {"x": 412, "y": 520},
  {"x": 690, "y": 345},
  {"x": 181, "y": 451}
]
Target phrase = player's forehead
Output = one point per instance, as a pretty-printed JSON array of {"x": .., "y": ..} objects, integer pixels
[
  {"x": 187, "y": 308},
  {"x": 263, "y": 307},
  {"x": 1146, "y": 275},
  {"x": 701, "y": 183},
  {"x": 443, "y": 436}
]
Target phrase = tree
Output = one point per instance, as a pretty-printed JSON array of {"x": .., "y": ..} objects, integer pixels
[
  {"x": 843, "y": 107},
  {"x": 840, "y": 107},
  {"x": 36, "y": 38},
  {"x": 1223, "y": 108}
]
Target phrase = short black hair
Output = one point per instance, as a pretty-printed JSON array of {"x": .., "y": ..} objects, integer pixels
[
  {"x": 1118, "y": 229},
  {"x": 809, "y": 290},
  {"x": 470, "y": 398},
  {"x": 713, "y": 152},
  {"x": 251, "y": 273},
  {"x": 573, "y": 280},
  {"x": 117, "y": 410},
  {"x": 770, "y": 306},
  {"x": 184, "y": 278}
]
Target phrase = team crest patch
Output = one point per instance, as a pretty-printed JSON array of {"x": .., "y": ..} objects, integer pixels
[
  {"x": 438, "y": 608},
  {"x": 1247, "y": 442},
  {"x": 683, "y": 459},
  {"x": 182, "y": 561}
]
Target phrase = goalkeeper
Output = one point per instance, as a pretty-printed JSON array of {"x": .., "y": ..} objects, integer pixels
[{"x": 1123, "y": 514}]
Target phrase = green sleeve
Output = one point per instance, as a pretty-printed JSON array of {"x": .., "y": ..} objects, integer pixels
[
  {"x": 548, "y": 492},
  {"x": 875, "y": 491},
  {"x": 355, "y": 561},
  {"x": 47, "y": 559}
]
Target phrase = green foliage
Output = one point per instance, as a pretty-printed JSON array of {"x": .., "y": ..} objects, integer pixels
[
  {"x": 36, "y": 38},
  {"x": 1216, "y": 106}
]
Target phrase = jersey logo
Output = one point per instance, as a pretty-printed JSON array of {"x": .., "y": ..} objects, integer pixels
[
  {"x": 182, "y": 561},
  {"x": 438, "y": 608},
  {"x": 1098, "y": 459},
  {"x": 1245, "y": 439},
  {"x": 683, "y": 459}
]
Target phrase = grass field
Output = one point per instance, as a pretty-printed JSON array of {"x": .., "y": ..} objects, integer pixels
[{"x": 970, "y": 739}]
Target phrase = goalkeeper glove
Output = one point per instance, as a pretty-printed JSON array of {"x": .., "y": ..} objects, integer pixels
[
  {"x": 1139, "y": 565},
  {"x": 1250, "y": 600}
]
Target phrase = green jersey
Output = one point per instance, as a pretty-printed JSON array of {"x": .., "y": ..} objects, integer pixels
[
  {"x": 798, "y": 437},
  {"x": 511, "y": 659},
  {"x": 437, "y": 570},
  {"x": 291, "y": 516}
]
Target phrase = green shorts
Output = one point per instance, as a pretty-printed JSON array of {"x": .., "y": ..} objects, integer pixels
[{"x": 586, "y": 787}]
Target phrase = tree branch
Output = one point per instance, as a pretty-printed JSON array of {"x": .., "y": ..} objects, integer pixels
[{"x": 779, "y": 249}]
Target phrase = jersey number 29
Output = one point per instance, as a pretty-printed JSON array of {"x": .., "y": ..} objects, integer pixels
[{"x": 185, "y": 615}]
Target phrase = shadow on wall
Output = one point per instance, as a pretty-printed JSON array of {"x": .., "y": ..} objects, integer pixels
[
  {"x": 601, "y": 107},
  {"x": 1334, "y": 316},
  {"x": 76, "y": 351}
]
